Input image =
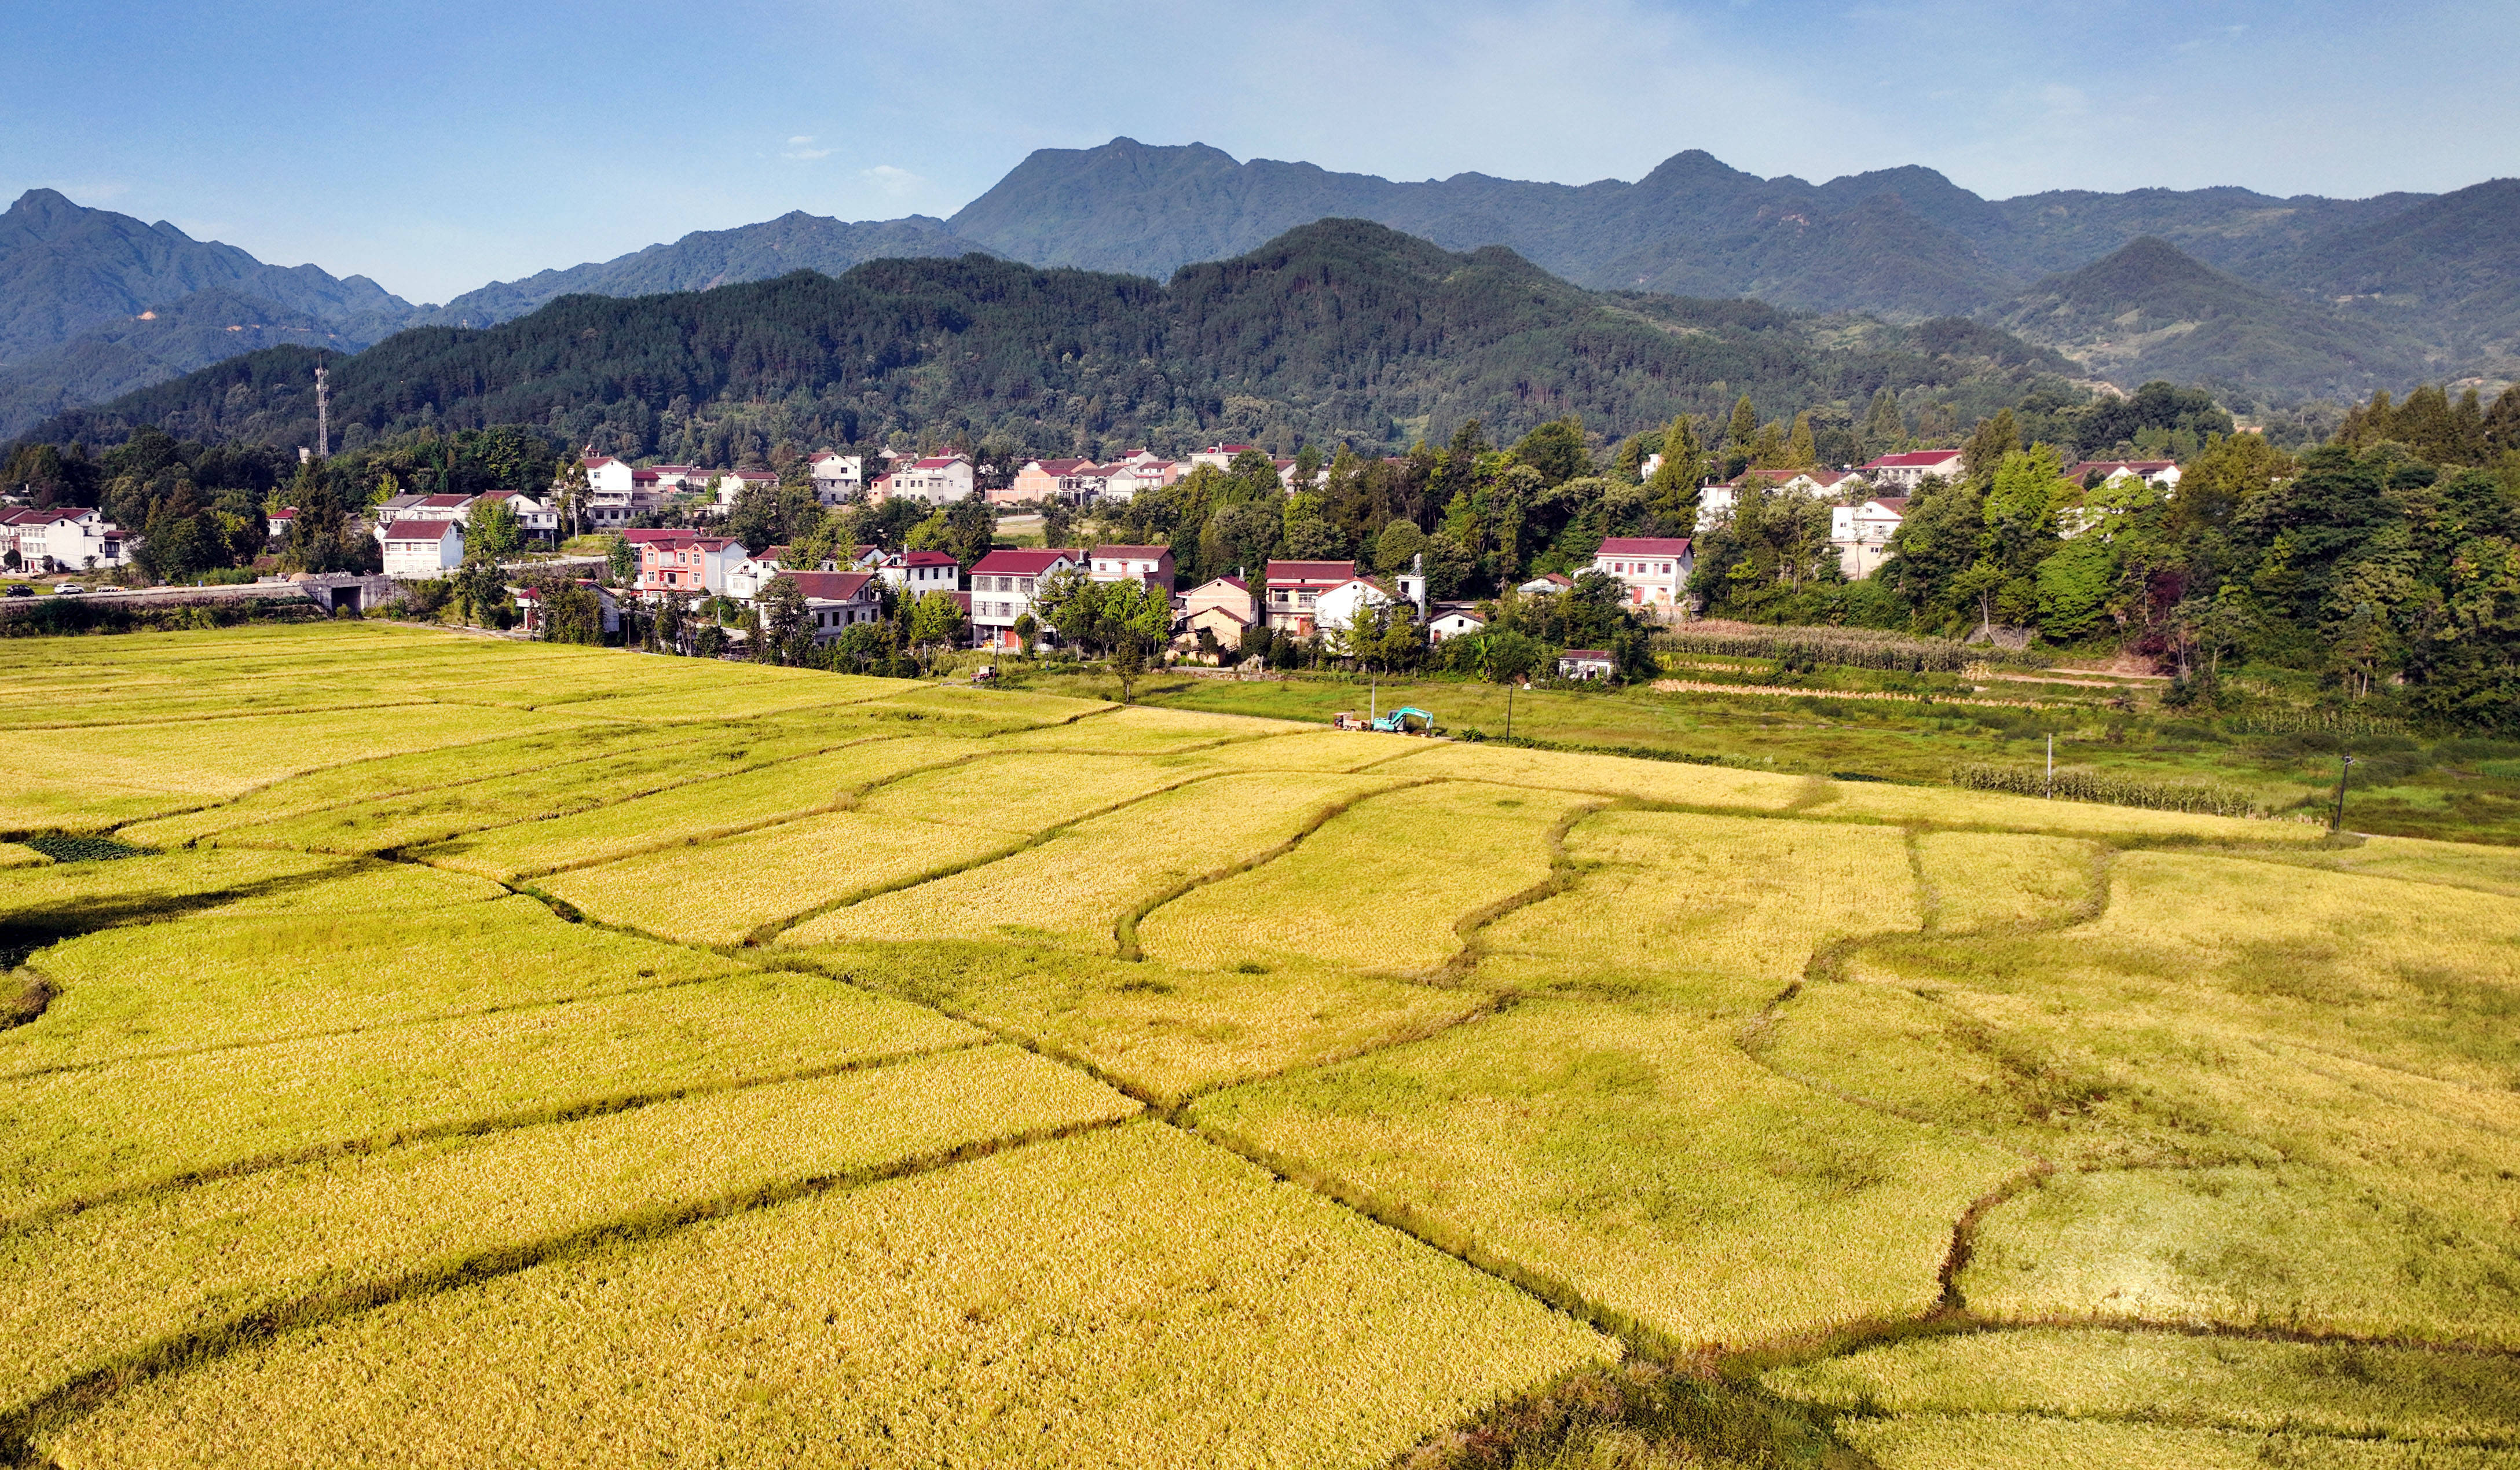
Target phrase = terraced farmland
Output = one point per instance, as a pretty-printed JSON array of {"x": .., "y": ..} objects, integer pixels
[{"x": 418, "y": 1050}]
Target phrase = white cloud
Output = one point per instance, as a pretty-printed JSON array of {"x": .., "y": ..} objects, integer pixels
[
  {"x": 895, "y": 182},
  {"x": 800, "y": 148}
]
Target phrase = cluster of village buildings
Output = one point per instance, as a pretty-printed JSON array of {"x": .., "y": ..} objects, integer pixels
[{"x": 422, "y": 537}]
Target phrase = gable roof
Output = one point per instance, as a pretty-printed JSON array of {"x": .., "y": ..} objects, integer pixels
[
  {"x": 1143, "y": 553},
  {"x": 1331, "y": 572},
  {"x": 830, "y": 586},
  {"x": 1028, "y": 561},
  {"x": 445, "y": 502},
  {"x": 1643, "y": 546},
  {"x": 928, "y": 559},
  {"x": 424, "y": 530},
  {"x": 1920, "y": 458},
  {"x": 1059, "y": 467}
]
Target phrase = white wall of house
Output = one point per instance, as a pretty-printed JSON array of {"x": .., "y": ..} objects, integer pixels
[{"x": 417, "y": 554}]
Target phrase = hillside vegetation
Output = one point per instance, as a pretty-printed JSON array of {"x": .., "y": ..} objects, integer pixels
[
  {"x": 448, "y": 1051},
  {"x": 1338, "y": 331}
]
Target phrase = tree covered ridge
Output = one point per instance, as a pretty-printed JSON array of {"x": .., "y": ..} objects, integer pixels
[{"x": 1338, "y": 332}]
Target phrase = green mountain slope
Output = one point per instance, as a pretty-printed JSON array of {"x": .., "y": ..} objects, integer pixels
[
  {"x": 2448, "y": 266},
  {"x": 2148, "y": 311},
  {"x": 1340, "y": 330},
  {"x": 126, "y": 354}
]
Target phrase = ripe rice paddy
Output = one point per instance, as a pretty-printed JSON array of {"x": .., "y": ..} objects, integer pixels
[{"x": 429, "y": 1049}]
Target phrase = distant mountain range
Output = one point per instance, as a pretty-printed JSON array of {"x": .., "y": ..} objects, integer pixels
[{"x": 2249, "y": 293}]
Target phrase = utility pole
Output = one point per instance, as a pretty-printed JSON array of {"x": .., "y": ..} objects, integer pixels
[
  {"x": 323, "y": 416},
  {"x": 1509, "y": 709},
  {"x": 2051, "y": 765},
  {"x": 2336, "y": 823}
]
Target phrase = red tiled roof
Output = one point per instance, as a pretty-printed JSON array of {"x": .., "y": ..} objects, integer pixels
[
  {"x": 927, "y": 559},
  {"x": 1329, "y": 573},
  {"x": 1602, "y": 654},
  {"x": 939, "y": 462},
  {"x": 1643, "y": 546},
  {"x": 645, "y": 534},
  {"x": 289, "y": 514},
  {"x": 421, "y": 530},
  {"x": 1010, "y": 562},
  {"x": 1897, "y": 503},
  {"x": 444, "y": 501},
  {"x": 1226, "y": 448},
  {"x": 1229, "y": 582},
  {"x": 596, "y": 460},
  {"x": 1921, "y": 459},
  {"x": 1144, "y": 553},
  {"x": 1059, "y": 467},
  {"x": 830, "y": 586}
]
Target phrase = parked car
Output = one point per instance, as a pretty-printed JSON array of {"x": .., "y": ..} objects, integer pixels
[
  {"x": 67, "y": 588},
  {"x": 19, "y": 590}
]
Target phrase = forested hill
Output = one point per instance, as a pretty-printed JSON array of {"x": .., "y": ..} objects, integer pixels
[{"x": 1339, "y": 331}]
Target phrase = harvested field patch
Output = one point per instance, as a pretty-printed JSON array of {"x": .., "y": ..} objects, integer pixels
[
  {"x": 696, "y": 811},
  {"x": 1941, "y": 806},
  {"x": 1314, "y": 750},
  {"x": 1379, "y": 888},
  {"x": 1718, "y": 912},
  {"x": 1032, "y": 791},
  {"x": 416, "y": 951},
  {"x": 2176, "y": 1379},
  {"x": 1026, "y": 1309},
  {"x": 2027, "y": 1442},
  {"x": 106, "y": 1282},
  {"x": 1983, "y": 880},
  {"x": 92, "y": 777},
  {"x": 1165, "y": 1034},
  {"x": 1144, "y": 730},
  {"x": 1075, "y": 887},
  {"x": 1633, "y": 1154},
  {"x": 100, "y": 1130},
  {"x": 1674, "y": 781},
  {"x": 720, "y": 892}
]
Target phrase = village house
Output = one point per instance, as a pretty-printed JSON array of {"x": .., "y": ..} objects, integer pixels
[
  {"x": 1218, "y": 456},
  {"x": 1716, "y": 499},
  {"x": 1049, "y": 481},
  {"x": 835, "y": 601},
  {"x": 745, "y": 579},
  {"x": 1452, "y": 620},
  {"x": 1862, "y": 533},
  {"x": 1151, "y": 564},
  {"x": 1002, "y": 585},
  {"x": 1293, "y": 586},
  {"x": 1585, "y": 663},
  {"x": 684, "y": 564},
  {"x": 1140, "y": 472},
  {"x": 277, "y": 525},
  {"x": 838, "y": 478},
  {"x": 2162, "y": 473},
  {"x": 938, "y": 479},
  {"x": 1547, "y": 584},
  {"x": 731, "y": 483},
  {"x": 1223, "y": 606},
  {"x": 423, "y": 550},
  {"x": 1653, "y": 569},
  {"x": 67, "y": 538},
  {"x": 535, "y": 517},
  {"x": 1902, "y": 473},
  {"x": 915, "y": 574}
]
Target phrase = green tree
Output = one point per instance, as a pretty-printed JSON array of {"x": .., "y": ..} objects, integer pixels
[
  {"x": 1027, "y": 632},
  {"x": 782, "y": 620},
  {"x": 1883, "y": 432},
  {"x": 1398, "y": 546},
  {"x": 1671, "y": 494},
  {"x": 937, "y": 624},
  {"x": 493, "y": 531},
  {"x": 1993, "y": 438},
  {"x": 621, "y": 559},
  {"x": 1744, "y": 428},
  {"x": 1801, "y": 452}
]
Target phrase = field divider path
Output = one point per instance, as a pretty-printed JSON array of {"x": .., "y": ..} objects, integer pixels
[
  {"x": 22, "y": 1425},
  {"x": 1124, "y": 931},
  {"x": 208, "y": 716},
  {"x": 841, "y": 803},
  {"x": 766, "y": 933},
  {"x": 284, "y": 1038},
  {"x": 1564, "y": 871},
  {"x": 569, "y": 1111}
]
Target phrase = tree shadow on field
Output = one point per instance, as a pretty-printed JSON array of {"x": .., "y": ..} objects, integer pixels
[{"x": 24, "y": 930}]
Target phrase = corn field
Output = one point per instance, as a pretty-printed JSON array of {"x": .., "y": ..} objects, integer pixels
[
  {"x": 1850, "y": 647},
  {"x": 2109, "y": 788}
]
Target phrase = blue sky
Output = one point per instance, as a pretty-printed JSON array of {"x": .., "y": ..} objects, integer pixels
[{"x": 441, "y": 145}]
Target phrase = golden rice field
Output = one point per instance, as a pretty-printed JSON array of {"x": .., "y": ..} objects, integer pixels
[{"x": 426, "y": 1049}]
